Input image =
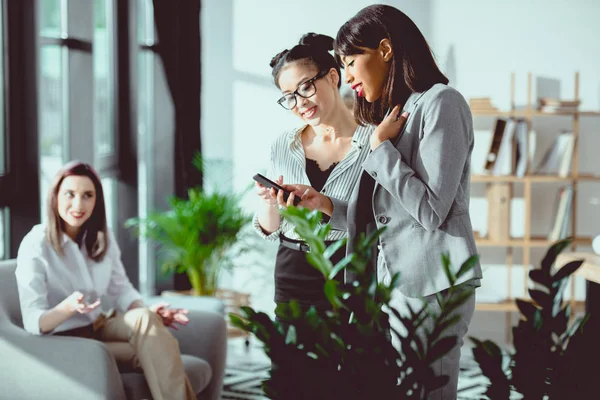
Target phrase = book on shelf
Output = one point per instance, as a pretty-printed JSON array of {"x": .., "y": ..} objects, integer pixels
[
  {"x": 560, "y": 226},
  {"x": 512, "y": 148},
  {"x": 557, "y": 160},
  {"x": 552, "y": 105}
]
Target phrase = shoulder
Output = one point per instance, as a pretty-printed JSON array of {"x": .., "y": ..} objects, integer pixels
[
  {"x": 443, "y": 95},
  {"x": 286, "y": 138},
  {"x": 34, "y": 243}
]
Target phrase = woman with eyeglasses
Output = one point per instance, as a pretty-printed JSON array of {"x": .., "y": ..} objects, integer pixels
[
  {"x": 416, "y": 177},
  {"x": 325, "y": 152}
]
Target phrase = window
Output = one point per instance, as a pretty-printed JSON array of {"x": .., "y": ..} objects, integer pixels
[
  {"x": 3, "y": 233},
  {"x": 103, "y": 115},
  {"x": 53, "y": 106},
  {"x": 146, "y": 60},
  {"x": 2, "y": 130},
  {"x": 109, "y": 186}
]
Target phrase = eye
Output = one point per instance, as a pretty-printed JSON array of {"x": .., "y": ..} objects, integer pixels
[
  {"x": 69, "y": 194},
  {"x": 305, "y": 87},
  {"x": 88, "y": 196},
  {"x": 351, "y": 63}
]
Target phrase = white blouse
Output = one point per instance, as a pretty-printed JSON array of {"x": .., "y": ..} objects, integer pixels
[
  {"x": 45, "y": 278},
  {"x": 288, "y": 159}
]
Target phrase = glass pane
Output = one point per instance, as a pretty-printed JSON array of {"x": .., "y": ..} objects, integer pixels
[
  {"x": 50, "y": 18},
  {"x": 109, "y": 185},
  {"x": 145, "y": 24},
  {"x": 3, "y": 234},
  {"x": 102, "y": 78},
  {"x": 2, "y": 134},
  {"x": 51, "y": 117}
]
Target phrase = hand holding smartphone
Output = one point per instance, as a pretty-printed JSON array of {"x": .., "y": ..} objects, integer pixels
[{"x": 266, "y": 182}]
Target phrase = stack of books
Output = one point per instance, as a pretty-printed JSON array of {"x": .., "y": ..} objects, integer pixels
[
  {"x": 482, "y": 105},
  {"x": 550, "y": 105}
]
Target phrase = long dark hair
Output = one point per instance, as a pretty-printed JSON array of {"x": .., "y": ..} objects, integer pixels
[
  {"x": 96, "y": 238},
  {"x": 312, "y": 49},
  {"x": 413, "y": 68}
]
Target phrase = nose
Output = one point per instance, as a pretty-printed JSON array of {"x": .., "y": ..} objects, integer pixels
[
  {"x": 301, "y": 101},
  {"x": 76, "y": 203},
  {"x": 349, "y": 78}
]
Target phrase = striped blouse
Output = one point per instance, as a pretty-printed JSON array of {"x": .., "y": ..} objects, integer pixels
[{"x": 288, "y": 159}]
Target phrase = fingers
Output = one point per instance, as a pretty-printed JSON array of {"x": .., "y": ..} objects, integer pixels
[
  {"x": 306, "y": 192},
  {"x": 402, "y": 117}
]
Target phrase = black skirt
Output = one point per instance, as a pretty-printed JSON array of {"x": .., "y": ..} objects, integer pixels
[{"x": 297, "y": 279}]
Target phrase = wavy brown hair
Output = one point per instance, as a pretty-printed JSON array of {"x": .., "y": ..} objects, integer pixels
[
  {"x": 413, "y": 67},
  {"x": 94, "y": 230}
]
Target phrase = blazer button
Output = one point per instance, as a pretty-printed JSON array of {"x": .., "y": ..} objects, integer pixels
[
  {"x": 383, "y": 219},
  {"x": 374, "y": 174}
]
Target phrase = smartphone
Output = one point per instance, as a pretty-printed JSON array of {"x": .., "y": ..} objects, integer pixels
[{"x": 270, "y": 184}]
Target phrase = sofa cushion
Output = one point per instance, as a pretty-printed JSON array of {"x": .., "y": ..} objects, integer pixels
[{"x": 198, "y": 371}]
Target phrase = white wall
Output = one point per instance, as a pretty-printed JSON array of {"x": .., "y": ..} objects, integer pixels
[
  {"x": 476, "y": 43},
  {"x": 479, "y": 44}
]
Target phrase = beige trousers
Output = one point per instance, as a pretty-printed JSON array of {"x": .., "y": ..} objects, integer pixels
[{"x": 138, "y": 338}]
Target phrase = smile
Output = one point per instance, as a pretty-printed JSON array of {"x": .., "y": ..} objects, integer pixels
[{"x": 310, "y": 112}]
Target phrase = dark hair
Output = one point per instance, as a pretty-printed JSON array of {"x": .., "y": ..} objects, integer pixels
[
  {"x": 96, "y": 238},
  {"x": 312, "y": 49},
  {"x": 413, "y": 68}
]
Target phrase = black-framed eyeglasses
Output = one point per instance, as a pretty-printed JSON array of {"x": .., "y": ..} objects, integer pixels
[{"x": 306, "y": 89}]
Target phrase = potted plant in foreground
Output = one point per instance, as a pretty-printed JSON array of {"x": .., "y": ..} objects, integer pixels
[
  {"x": 197, "y": 235},
  {"x": 346, "y": 353}
]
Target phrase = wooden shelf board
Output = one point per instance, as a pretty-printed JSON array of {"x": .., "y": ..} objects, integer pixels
[
  {"x": 511, "y": 305},
  {"x": 505, "y": 305},
  {"x": 532, "y": 242},
  {"x": 534, "y": 113},
  {"x": 533, "y": 178}
]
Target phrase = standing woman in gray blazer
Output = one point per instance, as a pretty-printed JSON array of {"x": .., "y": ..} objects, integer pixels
[{"x": 416, "y": 177}]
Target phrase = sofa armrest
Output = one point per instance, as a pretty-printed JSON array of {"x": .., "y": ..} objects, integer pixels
[
  {"x": 52, "y": 367},
  {"x": 205, "y": 336}
]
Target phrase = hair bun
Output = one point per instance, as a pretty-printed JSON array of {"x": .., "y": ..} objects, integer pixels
[
  {"x": 318, "y": 41},
  {"x": 278, "y": 57}
]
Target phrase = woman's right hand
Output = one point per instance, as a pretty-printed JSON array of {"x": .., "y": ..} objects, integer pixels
[
  {"x": 268, "y": 195},
  {"x": 310, "y": 198},
  {"x": 76, "y": 303}
]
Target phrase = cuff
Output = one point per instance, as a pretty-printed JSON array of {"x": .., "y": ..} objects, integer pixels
[
  {"x": 272, "y": 237},
  {"x": 32, "y": 322},
  {"x": 339, "y": 216}
]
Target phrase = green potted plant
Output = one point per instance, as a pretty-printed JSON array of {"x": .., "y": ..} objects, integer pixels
[
  {"x": 346, "y": 353},
  {"x": 553, "y": 355},
  {"x": 197, "y": 235}
]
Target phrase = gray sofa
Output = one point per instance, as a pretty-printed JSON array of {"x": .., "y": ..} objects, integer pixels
[{"x": 53, "y": 367}]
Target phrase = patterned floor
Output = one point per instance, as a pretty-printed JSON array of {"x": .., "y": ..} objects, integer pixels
[{"x": 248, "y": 366}]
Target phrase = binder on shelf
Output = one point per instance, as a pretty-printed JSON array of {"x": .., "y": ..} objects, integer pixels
[
  {"x": 504, "y": 158},
  {"x": 560, "y": 226},
  {"x": 557, "y": 160},
  {"x": 525, "y": 149},
  {"x": 495, "y": 145}
]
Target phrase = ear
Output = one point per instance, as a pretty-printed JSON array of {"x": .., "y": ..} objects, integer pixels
[
  {"x": 385, "y": 49},
  {"x": 335, "y": 78}
]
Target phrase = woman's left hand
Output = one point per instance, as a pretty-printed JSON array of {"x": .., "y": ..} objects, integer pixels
[
  {"x": 171, "y": 316},
  {"x": 389, "y": 128}
]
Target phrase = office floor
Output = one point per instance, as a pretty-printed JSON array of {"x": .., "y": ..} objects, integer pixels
[{"x": 248, "y": 366}]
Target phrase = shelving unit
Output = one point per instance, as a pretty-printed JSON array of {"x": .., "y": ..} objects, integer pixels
[{"x": 529, "y": 242}]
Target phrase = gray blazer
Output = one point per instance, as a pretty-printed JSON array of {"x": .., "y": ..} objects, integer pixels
[{"x": 421, "y": 193}]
